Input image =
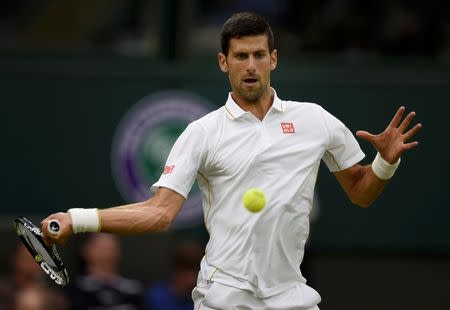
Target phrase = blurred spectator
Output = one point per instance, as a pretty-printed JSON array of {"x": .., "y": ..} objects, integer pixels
[
  {"x": 411, "y": 29},
  {"x": 133, "y": 27},
  {"x": 24, "y": 273},
  {"x": 39, "y": 297},
  {"x": 32, "y": 298},
  {"x": 101, "y": 286},
  {"x": 220, "y": 10},
  {"x": 175, "y": 293}
]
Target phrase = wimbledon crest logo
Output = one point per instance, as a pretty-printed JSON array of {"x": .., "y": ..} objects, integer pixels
[{"x": 143, "y": 141}]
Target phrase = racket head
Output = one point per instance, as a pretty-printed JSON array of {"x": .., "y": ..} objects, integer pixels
[{"x": 45, "y": 255}]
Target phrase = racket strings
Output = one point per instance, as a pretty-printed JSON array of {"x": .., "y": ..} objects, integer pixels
[{"x": 36, "y": 244}]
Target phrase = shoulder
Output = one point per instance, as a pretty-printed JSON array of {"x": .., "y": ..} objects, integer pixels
[
  {"x": 303, "y": 107},
  {"x": 309, "y": 108},
  {"x": 212, "y": 116},
  {"x": 293, "y": 105},
  {"x": 210, "y": 120}
]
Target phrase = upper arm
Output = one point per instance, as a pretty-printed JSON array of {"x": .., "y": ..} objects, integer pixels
[
  {"x": 185, "y": 159},
  {"x": 342, "y": 151}
]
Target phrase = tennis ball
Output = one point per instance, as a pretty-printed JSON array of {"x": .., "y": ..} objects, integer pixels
[{"x": 254, "y": 200}]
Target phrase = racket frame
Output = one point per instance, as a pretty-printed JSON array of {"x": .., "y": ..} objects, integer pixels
[{"x": 59, "y": 276}]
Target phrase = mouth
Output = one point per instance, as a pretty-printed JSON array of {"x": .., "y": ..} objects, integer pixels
[{"x": 250, "y": 81}]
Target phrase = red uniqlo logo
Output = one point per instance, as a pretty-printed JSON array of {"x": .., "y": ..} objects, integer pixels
[
  {"x": 168, "y": 169},
  {"x": 288, "y": 127}
]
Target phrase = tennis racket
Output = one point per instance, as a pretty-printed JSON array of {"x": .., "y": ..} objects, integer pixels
[{"x": 45, "y": 255}]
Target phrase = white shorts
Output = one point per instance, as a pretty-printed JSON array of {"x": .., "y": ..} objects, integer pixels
[{"x": 215, "y": 295}]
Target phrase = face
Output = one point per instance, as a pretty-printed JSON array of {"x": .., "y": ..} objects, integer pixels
[
  {"x": 102, "y": 250},
  {"x": 31, "y": 298},
  {"x": 248, "y": 65}
]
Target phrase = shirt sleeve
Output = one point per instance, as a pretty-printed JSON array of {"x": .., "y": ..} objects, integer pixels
[
  {"x": 184, "y": 160},
  {"x": 343, "y": 150}
]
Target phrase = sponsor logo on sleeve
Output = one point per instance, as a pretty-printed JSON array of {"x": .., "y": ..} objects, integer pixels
[{"x": 168, "y": 169}]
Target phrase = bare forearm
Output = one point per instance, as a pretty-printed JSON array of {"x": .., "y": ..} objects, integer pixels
[
  {"x": 367, "y": 188},
  {"x": 153, "y": 215},
  {"x": 360, "y": 184},
  {"x": 134, "y": 218}
]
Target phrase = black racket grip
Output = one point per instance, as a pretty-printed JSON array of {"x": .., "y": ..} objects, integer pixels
[{"x": 54, "y": 227}]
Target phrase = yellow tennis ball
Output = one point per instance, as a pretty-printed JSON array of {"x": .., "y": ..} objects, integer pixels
[{"x": 254, "y": 200}]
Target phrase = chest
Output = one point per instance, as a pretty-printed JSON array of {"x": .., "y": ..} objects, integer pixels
[{"x": 278, "y": 144}]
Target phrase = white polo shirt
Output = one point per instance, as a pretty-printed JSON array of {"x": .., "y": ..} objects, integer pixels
[{"x": 229, "y": 151}]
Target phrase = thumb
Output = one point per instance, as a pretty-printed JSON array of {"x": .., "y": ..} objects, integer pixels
[{"x": 364, "y": 135}]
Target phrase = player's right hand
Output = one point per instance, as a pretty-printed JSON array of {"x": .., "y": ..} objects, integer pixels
[{"x": 65, "y": 230}]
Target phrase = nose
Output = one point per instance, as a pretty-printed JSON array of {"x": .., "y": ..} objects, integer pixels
[{"x": 251, "y": 64}]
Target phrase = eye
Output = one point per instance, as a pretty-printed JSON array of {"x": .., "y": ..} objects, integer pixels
[
  {"x": 259, "y": 55},
  {"x": 241, "y": 56}
]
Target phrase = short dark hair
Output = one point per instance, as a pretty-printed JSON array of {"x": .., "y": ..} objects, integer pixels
[{"x": 245, "y": 24}]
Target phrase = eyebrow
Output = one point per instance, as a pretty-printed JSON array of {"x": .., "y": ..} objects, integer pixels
[{"x": 253, "y": 52}]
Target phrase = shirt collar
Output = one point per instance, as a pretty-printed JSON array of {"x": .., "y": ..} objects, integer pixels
[{"x": 235, "y": 111}]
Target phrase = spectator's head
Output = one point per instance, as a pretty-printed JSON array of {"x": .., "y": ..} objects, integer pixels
[
  {"x": 101, "y": 254},
  {"x": 38, "y": 297},
  {"x": 32, "y": 298}
]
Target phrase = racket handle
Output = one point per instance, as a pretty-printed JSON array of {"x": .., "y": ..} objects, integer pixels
[{"x": 53, "y": 227}]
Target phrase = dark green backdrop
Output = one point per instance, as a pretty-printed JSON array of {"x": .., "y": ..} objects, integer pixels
[{"x": 59, "y": 115}]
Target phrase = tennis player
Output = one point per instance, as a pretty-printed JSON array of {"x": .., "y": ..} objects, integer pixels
[{"x": 255, "y": 140}]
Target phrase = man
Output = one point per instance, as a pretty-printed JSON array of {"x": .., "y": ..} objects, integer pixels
[
  {"x": 254, "y": 140},
  {"x": 102, "y": 286}
]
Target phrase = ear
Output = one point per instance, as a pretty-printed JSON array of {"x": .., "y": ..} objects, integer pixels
[
  {"x": 273, "y": 60},
  {"x": 222, "y": 58}
]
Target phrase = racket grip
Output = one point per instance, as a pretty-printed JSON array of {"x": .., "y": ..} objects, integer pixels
[{"x": 53, "y": 227}]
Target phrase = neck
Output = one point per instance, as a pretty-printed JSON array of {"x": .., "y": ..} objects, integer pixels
[{"x": 260, "y": 107}]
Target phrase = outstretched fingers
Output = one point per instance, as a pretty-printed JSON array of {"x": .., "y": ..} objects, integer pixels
[
  {"x": 412, "y": 132},
  {"x": 405, "y": 123},
  {"x": 397, "y": 117},
  {"x": 410, "y": 145}
]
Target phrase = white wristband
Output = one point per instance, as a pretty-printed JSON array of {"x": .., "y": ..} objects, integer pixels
[
  {"x": 382, "y": 169},
  {"x": 84, "y": 220}
]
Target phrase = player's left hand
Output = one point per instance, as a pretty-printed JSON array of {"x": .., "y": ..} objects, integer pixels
[{"x": 393, "y": 141}]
